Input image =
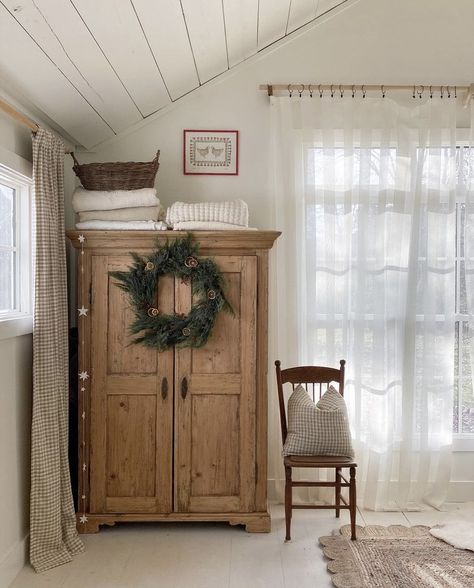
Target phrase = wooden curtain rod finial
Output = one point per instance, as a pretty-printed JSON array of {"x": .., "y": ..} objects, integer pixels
[{"x": 270, "y": 90}]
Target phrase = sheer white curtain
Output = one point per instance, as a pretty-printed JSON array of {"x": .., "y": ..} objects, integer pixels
[{"x": 365, "y": 194}]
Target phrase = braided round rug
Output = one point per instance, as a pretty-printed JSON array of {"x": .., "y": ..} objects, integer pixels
[{"x": 396, "y": 557}]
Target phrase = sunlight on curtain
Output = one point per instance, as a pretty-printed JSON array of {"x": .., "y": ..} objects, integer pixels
[{"x": 365, "y": 194}]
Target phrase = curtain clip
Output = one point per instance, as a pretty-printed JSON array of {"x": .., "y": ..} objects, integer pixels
[
  {"x": 321, "y": 91},
  {"x": 290, "y": 91},
  {"x": 301, "y": 90}
]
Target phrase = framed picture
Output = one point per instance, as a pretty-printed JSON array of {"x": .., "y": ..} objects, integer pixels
[{"x": 213, "y": 153}]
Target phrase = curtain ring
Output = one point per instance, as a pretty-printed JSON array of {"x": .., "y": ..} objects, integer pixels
[
  {"x": 441, "y": 91},
  {"x": 455, "y": 92},
  {"x": 332, "y": 91},
  {"x": 383, "y": 91},
  {"x": 353, "y": 91},
  {"x": 431, "y": 91},
  {"x": 300, "y": 92},
  {"x": 420, "y": 92},
  {"x": 320, "y": 91},
  {"x": 310, "y": 90},
  {"x": 341, "y": 91},
  {"x": 448, "y": 91},
  {"x": 290, "y": 91},
  {"x": 363, "y": 91},
  {"x": 414, "y": 92}
]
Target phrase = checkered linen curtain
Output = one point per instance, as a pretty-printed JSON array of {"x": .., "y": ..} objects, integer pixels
[{"x": 53, "y": 536}]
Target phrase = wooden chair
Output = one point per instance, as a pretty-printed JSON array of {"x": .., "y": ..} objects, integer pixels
[{"x": 312, "y": 379}]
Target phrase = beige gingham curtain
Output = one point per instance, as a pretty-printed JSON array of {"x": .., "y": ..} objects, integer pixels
[{"x": 53, "y": 535}]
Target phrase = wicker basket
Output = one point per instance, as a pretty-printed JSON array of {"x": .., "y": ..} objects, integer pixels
[{"x": 120, "y": 175}]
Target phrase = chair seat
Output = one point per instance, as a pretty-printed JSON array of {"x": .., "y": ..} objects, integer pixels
[{"x": 322, "y": 461}]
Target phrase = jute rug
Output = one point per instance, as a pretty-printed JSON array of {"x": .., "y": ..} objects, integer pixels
[{"x": 396, "y": 557}]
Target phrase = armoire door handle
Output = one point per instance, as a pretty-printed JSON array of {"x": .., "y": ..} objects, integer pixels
[
  {"x": 184, "y": 388},
  {"x": 164, "y": 388}
]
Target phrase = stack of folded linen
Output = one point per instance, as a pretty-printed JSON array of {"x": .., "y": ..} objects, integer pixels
[
  {"x": 119, "y": 210},
  {"x": 209, "y": 216}
]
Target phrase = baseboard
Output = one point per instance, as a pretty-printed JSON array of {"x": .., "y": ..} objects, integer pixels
[
  {"x": 458, "y": 490},
  {"x": 13, "y": 562},
  {"x": 461, "y": 491}
]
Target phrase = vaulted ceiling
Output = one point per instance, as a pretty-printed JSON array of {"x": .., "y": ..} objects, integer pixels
[{"x": 96, "y": 67}]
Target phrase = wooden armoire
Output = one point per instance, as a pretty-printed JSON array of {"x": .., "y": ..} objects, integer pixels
[{"x": 179, "y": 435}]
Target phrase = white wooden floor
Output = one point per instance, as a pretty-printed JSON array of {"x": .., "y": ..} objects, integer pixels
[{"x": 209, "y": 555}]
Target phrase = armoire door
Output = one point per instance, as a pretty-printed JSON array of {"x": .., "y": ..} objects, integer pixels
[
  {"x": 215, "y": 401},
  {"x": 131, "y": 403}
]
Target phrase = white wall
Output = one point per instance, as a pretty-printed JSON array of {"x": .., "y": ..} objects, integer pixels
[
  {"x": 15, "y": 370},
  {"x": 372, "y": 42},
  {"x": 15, "y": 395}
]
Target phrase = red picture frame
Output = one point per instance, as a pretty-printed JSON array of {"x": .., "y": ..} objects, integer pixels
[{"x": 210, "y": 152}]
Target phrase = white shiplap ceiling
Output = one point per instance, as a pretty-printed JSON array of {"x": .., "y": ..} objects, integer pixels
[{"x": 96, "y": 67}]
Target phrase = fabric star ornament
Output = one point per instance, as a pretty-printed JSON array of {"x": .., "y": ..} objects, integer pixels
[
  {"x": 83, "y": 375},
  {"x": 82, "y": 311}
]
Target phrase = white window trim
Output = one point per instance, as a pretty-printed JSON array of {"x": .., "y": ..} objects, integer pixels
[{"x": 20, "y": 321}]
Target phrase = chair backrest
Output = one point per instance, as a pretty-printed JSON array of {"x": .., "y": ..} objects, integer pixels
[{"x": 311, "y": 378}]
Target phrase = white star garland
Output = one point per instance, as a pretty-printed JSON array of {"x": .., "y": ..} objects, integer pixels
[{"x": 83, "y": 377}]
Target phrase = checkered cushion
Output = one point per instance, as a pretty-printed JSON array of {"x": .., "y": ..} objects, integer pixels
[{"x": 318, "y": 429}]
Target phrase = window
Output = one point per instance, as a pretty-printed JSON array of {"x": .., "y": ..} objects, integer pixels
[
  {"x": 463, "y": 412},
  {"x": 16, "y": 279},
  {"x": 333, "y": 175}
]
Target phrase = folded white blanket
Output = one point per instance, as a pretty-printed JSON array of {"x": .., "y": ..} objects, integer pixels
[
  {"x": 83, "y": 200},
  {"x": 105, "y": 225},
  {"x": 145, "y": 213},
  {"x": 234, "y": 212},
  {"x": 209, "y": 226}
]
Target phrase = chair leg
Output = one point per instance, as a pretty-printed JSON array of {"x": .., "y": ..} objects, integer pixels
[
  {"x": 288, "y": 502},
  {"x": 353, "y": 501},
  {"x": 338, "y": 491}
]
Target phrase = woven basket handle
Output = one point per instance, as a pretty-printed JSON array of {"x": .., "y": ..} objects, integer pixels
[
  {"x": 157, "y": 156},
  {"x": 74, "y": 157}
]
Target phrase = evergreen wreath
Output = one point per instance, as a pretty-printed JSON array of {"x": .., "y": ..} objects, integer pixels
[{"x": 179, "y": 259}]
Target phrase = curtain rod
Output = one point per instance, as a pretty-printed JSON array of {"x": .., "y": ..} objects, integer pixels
[
  {"x": 352, "y": 89},
  {"x": 21, "y": 118}
]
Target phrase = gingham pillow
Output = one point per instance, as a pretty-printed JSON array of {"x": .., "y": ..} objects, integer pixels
[{"x": 318, "y": 429}]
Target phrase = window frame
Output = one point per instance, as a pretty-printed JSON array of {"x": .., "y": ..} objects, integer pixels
[
  {"x": 19, "y": 321},
  {"x": 461, "y": 441}
]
